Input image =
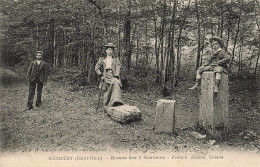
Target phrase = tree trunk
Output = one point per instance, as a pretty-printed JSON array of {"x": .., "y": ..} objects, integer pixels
[
  {"x": 156, "y": 51},
  {"x": 198, "y": 21},
  {"x": 84, "y": 58},
  {"x": 161, "y": 41},
  {"x": 146, "y": 43},
  {"x": 54, "y": 50},
  {"x": 37, "y": 37},
  {"x": 256, "y": 66},
  {"x": 174, "y": 81},
  {"x": 127, "y": 36},
  {"x": 179, "y": 48},
  {"x": 179, "y": 40},
  {"x": 137, "y": 50},
  {"x": 228, "y": 35},
  {"x": 235, "y": 42},
  {"x": 167, "y": 64},
  {"x": 211, "y": 10},
  {"x": 258, "y": 27},
  {"x": 91, "y": 61},
  {"x": 118, "y": 37},
  {"x": 240, "y": 61},
  {"x": 202, "y": 48},
  {"x": 222, "y": 19},
  {"x": 64, "y": 49},
  {"x": 53, "y": 43}
]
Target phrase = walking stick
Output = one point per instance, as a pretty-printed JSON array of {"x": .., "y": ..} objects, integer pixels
[
  {"x": 99, "y": 99},
  {"x": 100, "y": 93}
]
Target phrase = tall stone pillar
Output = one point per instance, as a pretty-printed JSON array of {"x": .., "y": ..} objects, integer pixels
[{"x": 213, "y": 116}]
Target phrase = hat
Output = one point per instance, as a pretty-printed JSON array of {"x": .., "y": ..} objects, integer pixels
[
  {"x": 110, "y": 45},
  {"x": 216, "y": 38},
  {"x": 39, "y": 52}
]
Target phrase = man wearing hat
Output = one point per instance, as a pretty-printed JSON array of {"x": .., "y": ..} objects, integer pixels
[
  {"x": 218, "y": 62},
  {"x": 36, "y": 76},
  {"x": 108, "y": 68}
]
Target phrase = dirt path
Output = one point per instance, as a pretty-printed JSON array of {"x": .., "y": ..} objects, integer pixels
[{"x": 68, "y": 121}]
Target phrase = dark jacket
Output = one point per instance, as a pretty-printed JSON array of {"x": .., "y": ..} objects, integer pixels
[
  {"x": 31, "y": 73},
  {"x": 219, "y": 58},
  {"x": 101, "y": 66}
]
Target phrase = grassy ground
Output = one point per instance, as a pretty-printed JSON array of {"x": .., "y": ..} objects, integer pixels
[{"x": 69, "y": 121}]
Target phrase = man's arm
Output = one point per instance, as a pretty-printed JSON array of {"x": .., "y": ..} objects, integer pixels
[
  {"x": 207, "y": 60},
  {"x": 29, "y": 71},
  {"x": 225, "y": 58},
  {"x": 45, "y": 73},
  {"x": 118, "y": 68}
]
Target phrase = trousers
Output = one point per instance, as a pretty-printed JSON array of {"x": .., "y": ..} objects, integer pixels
[{"x": 32, "y": 88}]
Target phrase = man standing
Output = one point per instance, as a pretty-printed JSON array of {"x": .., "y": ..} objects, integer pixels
[
  {"x": 36, "y": 75},
  {"x": 218, "y": 62}
]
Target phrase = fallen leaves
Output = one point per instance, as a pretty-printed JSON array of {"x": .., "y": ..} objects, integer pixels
[{"x": 68, "y": 120}]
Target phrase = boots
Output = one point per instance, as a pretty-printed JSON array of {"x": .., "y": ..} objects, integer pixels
[{"x": 196, "y": 86}]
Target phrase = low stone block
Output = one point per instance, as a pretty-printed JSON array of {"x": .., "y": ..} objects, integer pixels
[
  {"x": 124, "y": 113},
  {"x": 165, "y": 116}
]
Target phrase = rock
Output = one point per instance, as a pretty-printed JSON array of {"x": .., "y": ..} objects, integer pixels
[
  {"x": 4, "y": 72},
  {"x": 211, "y": 142},
  {"x": 246, "y": 137},
  {"x": 124, "y": 113},
  {"x": 217, "y": 146},
  {"x": 198, "y": 135},
  {"x": 8, "y": 77}
]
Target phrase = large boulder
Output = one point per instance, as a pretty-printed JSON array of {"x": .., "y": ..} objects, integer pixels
[
  {"x": 124, "y": 113},
  {"x": 8, "y": 77}
]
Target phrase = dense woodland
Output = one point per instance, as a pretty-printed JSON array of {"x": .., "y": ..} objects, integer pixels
[
  {"x": 169, "y": 37},
  {"x": 160, "y": 44}
]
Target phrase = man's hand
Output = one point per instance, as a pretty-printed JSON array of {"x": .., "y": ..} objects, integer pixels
[
  {"x": 201, "y": 69},
  {"x": 116, "y": 79}
]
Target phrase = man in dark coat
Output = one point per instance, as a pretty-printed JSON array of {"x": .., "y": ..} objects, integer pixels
[
  {"x": 218, "y": 62},
  {"x": 36, "y": 76}
]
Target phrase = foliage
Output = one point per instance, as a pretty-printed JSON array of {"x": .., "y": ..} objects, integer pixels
[{"x": 74, "y": 32}]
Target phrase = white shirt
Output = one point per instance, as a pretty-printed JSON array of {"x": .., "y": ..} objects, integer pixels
[
  {"x": 38, "y": 62},
  {"x": 215, "y": 52},
  {"x": 108, "y": 62}
]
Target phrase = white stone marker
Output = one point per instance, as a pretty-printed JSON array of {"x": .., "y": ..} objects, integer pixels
[{"x": 165, "y": 116}]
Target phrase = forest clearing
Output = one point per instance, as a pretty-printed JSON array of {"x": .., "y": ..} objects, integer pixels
[{"x": 68, "y": 120}]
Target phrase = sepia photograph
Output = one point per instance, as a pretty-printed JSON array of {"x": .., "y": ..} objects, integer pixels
[{"x": 103, "y": 83}]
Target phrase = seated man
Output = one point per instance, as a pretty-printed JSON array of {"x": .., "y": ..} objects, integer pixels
[
  {"x": 218, "y": 63},
  {"x": 108, "y": 68}
]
